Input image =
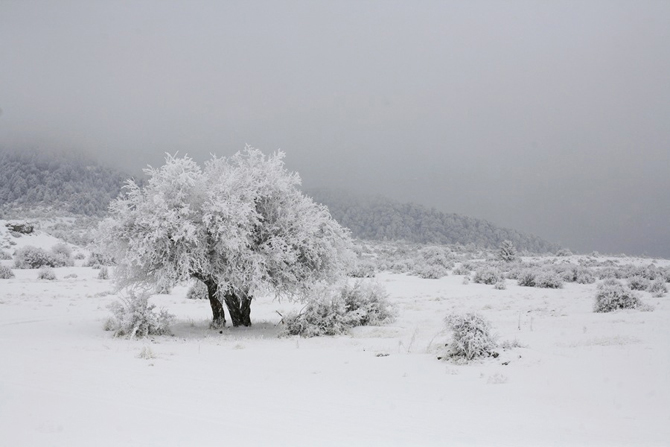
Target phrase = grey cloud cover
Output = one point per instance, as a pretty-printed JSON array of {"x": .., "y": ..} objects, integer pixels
[{"x": 548, "y": 117}]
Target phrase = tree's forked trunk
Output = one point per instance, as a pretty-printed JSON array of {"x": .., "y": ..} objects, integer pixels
[
  {"x": 239, "y": 307},
  {"x": 218, "y": 314}
]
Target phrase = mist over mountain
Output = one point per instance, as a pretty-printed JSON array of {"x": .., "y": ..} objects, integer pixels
[
  {"x": 380, "y": 218},
  {"x": 65, "y": 181}
]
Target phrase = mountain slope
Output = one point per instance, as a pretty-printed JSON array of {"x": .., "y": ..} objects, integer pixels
[
  {"x": 379, "y": 218},
  {"x": 65, "y": 181}
]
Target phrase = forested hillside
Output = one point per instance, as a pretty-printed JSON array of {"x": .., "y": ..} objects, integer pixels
[
  {"x": 66, "y": 181},
  {"x": 378, "y": 218}
]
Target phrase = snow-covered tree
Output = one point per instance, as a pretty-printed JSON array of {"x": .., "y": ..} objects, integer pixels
[
  {"x": 240, "y": 225},
  {"x": 507, "y": 252}
]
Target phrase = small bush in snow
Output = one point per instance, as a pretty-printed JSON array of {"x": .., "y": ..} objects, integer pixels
[
  {"x": 335, "y": 311},
  {"x": 430, "y": 271},
  {"x": 548, "y": 280},
  {"x": 658, "y": 288},
  {"x": 500, "y": 285},
  {"x": 133, "y": 316},
  {"x": 436, "y": 256},
  {"x": 103, "y": 273},
  {"x": 471, "y": 338},
  {"x": 363, "y": 269},
  {"x": 461, "y": 270},
  {"x": 198, "y": 291},
  {"x": 612, "y": 295},
  {"x": 79, "y": 256},
  {"x": 30, "y": 257},
  {"x": 95, "y": 260},
  {"x": 638, "y": 283},
  {"x": 63, "y": 254},
  {"x": 526, "y": 278},
  {"x": 6, "y": 272},
  {"x": 4, "y": 256},
  {"x": 46, "y": 273},
  {"x": 487, "y": 275},
  {"x": 369, "y": 302},
  {"x": 70, "y": 276}
]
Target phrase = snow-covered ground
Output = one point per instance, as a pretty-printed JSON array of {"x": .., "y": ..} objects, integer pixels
[{"x": 581, "y": 379}]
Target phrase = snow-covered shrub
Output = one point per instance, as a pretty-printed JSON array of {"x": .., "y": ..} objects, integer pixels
[
  {"x": 658, "y": 288},
  {"x": 507, "y": 252},
  {"x": 63, "y": 255},
  {"x": 96, "y": 260},
  {"x": 369, "y": 302},
  {"x": 6, "y": 272},
  {"x": 133, "y": 316},
  {"x": 70, "y": 276},
  {"x": 564, "y": 252},
  {"x": 323, "y": 315},
  {"x": 584, "y": 276},
  {"x": 487, "y": 275},
  {"x": 612, "y": 295},
  {"x": 46, "y": 273},
  {"x": 526, "y": 278},
  {"x": 471, "y": 337},
  {"x": 639, "y": 283},
  {"x": 4, "y": 256},
  {"x": 335, "y": 311},
  {"x": 29, "y": 257},
  {"x": 436, "y": 256},
  {"x": 103, "y": 273},
  {"x": 430, "y": 271},
  {"x": 548, "y": 280},
  {"x": 363, "y": 268},
  {"x": 500, "y": 285},
  {"x": 461, "y": 270},
  {"x": 79, "y": 256},
  {"x": 198, "y": 291}
]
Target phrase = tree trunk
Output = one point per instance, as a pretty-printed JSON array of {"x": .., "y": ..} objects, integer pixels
[
  {"x": 218, "y": 314},
  {"x": 239, "y": 307}
]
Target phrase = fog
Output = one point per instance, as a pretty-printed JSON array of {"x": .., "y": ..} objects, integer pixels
[{"x": 548, "y": 117}]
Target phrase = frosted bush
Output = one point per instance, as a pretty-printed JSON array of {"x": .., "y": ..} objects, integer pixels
[
  {"x": 658, "y": 288},
  {"x": 584, "y": 276},
  {"x": 548, "y": 280},
  {"x": 612, "y": 295},
  {"x": 6, "y": 272},
  {"x": 133, "y": 316},
  {"x": 430, "y": 271},
  {"x": 526, "y": 278},
  {"x": 103, "y": 273},
  {"x": 436, "y": 256},
  {"x": 487, "y": 275},
  {"x": 500, "y": 285},
  {"x": 564, "y": 252},
  {"x": 335, "y": 311},
  {"x": 471, "y": 337},
  {"x": 96, "y": 260},
  {"x": 63, "y": 255},
  {"x": 639, "y": 283},
  {"x": 369, "y": 302},
  {"x": 198, "y": 291},
  {"x": 4, "y": 256},
  {"x": 363, "y": 268},
  {"x": 461, "y": 270},
  {"x": 30, "y": 257},
  {"x": 46, "y": 273}
]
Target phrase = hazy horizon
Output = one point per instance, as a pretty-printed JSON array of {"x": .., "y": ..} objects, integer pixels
[{"x": 549, "y": 118}]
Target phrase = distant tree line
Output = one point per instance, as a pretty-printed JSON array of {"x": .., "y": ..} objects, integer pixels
[
  {"x": 68, "y": 181},
  {"x": 379, "y": 218}
]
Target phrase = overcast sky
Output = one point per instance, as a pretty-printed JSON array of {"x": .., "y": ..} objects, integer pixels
[{"x": 550, "y": 117}]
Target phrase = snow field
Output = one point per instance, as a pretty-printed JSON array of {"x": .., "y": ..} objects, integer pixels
[{"x": 582, "y": 379}]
